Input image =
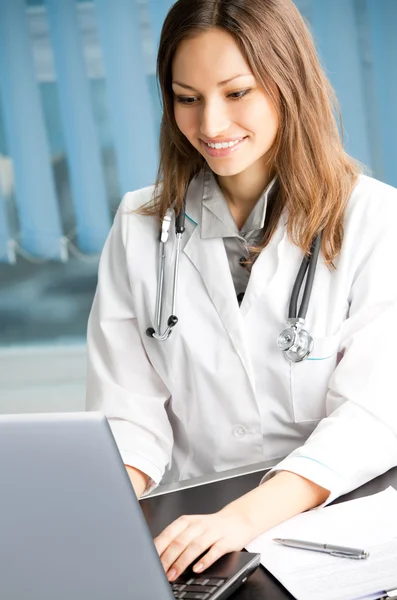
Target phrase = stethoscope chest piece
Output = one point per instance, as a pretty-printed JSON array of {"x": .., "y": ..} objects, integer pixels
[{"x": 295, "y": 342}]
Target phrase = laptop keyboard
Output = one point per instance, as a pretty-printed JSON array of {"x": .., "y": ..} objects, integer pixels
[{"x": 200, "y": 588}]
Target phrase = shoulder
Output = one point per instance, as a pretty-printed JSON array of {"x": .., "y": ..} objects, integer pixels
[
  {"x": 369, "y": 225},
  {"x": 373, "y": 201},
  {"x": 132, "y": 201},
  {"x": 128, "y": 219}
]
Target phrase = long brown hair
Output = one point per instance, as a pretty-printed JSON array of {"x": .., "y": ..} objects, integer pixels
[{"x": 315, "y": 175}]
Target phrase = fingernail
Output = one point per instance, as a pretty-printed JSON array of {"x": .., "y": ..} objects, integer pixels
[
  {"x": 171, "y": 574},
  {"x": 198, "y": 567}
]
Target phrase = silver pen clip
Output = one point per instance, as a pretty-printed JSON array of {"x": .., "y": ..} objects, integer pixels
[{"x": 349, "y": 555}]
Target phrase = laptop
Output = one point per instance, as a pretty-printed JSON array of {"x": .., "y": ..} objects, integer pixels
[{"x": 71, "y": 527}]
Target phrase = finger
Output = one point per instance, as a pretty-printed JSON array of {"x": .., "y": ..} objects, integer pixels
[
  {"x": 170, "y": 533},
  {"x": 214, "y": 553},
  {"x": 179, "y": 545},
  {"x": 194, "y": 550}
]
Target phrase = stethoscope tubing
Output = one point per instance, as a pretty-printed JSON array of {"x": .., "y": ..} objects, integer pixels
[
  {"x": 160, "y": 286},
  {"x": 176, "y": 271},
  {"x": 173, "y": 319},
  {"x": 309, "y": 262}
]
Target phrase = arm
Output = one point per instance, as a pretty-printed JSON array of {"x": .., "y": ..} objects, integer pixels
[
  {"x": 121, "y": 381},
  {"x": 278, "y": 499}
]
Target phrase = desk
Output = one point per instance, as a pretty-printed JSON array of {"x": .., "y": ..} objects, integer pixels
[{"x": 207, "y": 495}]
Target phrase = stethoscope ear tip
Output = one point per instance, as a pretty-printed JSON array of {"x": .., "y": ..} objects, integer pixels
[{"x": 150, "y": 332}]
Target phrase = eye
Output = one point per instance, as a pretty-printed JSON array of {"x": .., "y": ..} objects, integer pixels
[
  {"x": 238, "y": 95},
  {"x": 187, "y": 100}
]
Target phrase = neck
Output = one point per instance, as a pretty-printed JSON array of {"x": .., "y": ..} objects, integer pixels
[{"x": 242, "y": 191}]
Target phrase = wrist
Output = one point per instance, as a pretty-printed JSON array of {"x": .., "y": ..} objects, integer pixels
[
  {"x": 139, "y": 480},
  {"x": 248, "y": 509}
]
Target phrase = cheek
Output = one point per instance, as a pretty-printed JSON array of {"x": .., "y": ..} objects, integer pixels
[
  {"x": 184, "y": 119},
  {"x": 263, "y": 121}
]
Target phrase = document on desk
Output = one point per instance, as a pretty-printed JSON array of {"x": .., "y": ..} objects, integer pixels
[{"x": 369, "y": 523}]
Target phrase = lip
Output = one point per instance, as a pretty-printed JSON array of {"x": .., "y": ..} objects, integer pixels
[{"x": 221, "y": 152}]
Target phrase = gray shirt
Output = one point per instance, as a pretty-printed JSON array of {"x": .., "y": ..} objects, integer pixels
[{"x": 217, "y": 222}]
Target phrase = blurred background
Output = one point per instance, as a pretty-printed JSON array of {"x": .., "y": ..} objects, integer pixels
[{"x": 79, "y": 121}]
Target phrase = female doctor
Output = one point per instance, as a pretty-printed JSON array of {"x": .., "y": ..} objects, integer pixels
[{"x": 251, "y": 156}]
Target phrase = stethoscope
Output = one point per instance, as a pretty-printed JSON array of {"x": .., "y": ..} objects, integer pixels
[
  {"x": 155, "y": 332},
  {"x": 295, "y": 342}
]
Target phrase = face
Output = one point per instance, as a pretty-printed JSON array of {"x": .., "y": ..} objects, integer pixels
[{"x": 217, "y": 101}]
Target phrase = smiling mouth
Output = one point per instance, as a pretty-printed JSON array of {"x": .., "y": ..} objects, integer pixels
[
  {"x": 222, "y": 149},
  {"x": 222, "y": 145}
]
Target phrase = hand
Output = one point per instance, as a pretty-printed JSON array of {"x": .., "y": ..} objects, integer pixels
[
  {"x": 182, "y": 542},
  {"x": 276, "y": 500}
]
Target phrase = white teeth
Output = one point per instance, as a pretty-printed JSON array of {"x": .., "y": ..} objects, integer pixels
[{"x": 218, "y": 146}]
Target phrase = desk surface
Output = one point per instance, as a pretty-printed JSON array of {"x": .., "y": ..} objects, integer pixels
[{"x": 160, "y": 510}]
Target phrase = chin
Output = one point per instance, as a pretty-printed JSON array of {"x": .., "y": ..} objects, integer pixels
[{"x": 225, "y": 170}]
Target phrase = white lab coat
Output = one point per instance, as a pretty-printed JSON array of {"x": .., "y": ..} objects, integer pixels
[{"x": 219, "y": 393}]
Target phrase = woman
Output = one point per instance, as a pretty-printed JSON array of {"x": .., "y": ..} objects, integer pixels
[{"x": 249, "y": 131}]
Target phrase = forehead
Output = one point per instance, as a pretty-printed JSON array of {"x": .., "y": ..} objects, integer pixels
[{"x": 212, "y": 54}]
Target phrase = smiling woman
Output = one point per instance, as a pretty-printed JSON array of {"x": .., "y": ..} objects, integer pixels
[{"x": 251, "y": 153}]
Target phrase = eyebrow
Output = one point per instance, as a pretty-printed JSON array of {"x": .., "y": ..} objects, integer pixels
[{"x": 220, "y": 84}]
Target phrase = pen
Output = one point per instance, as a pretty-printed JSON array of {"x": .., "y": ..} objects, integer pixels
[
  {"x": 341, "y": 551},
  {"x": 390, "y": 595}
]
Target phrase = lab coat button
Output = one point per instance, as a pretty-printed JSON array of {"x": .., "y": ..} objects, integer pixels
[{"x": 239, "y": 431}]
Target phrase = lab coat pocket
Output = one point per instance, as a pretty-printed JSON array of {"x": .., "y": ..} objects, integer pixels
[{"x": 310, "y": 379}]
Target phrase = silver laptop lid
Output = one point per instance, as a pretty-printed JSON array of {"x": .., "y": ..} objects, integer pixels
[{"x": 70, "y": 525}]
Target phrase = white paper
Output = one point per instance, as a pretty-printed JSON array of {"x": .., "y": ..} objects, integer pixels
[{"x": 369, "y": 523}]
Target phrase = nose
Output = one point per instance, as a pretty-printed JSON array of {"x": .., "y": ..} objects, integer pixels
[{"x": 214, "y": 120}]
